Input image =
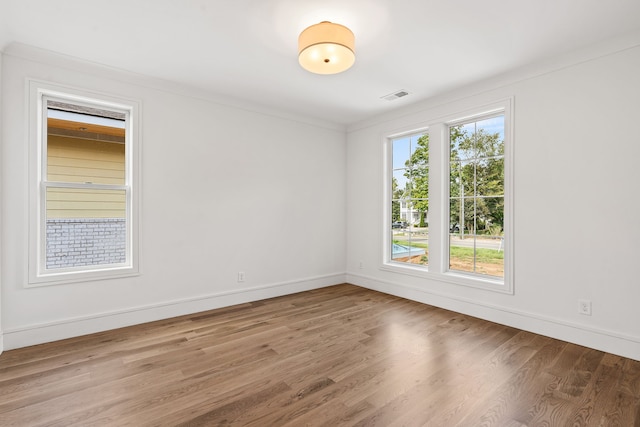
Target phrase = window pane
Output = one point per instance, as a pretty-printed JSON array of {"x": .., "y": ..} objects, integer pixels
[
  {"x": 85, "y": 144},
  {"x": 420, "y": 187},
  {"x": 480, "y": 255},
  {"x": 490, "y": 177},
  {"x": 420, "y": 151},
  {"x": 491, "y": 216},
  {"x": 490, "y": 239},
  {"x": 410, "y": 245},
  {"x": 455, "y": 179},
  {"x": 399, "y": 185},
  {"x": 468, "y": 216},
  {"x": 85, "y": 227},
  {"x": 462, "y": 142},
  {"x": 461, "y": 216},
  {"x": 401, "y": 152},
  {"x": 461, "y": 253},
  {"x": 420, "y": 212},
  {"x": 489, "y": 259},
  {"x": 395, "y": 213},
  {"x": 462, "y": 235},
  {"x": 454, "y": 216},
  {"x": 490, "y": 136},
  {"x": 462, "y": 179}
]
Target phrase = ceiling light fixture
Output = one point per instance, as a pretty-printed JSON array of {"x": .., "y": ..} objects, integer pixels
[{"x": 326, "y": 48}]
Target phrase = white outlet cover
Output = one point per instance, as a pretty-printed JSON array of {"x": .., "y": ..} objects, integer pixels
[{"x": 584, "y": 307}]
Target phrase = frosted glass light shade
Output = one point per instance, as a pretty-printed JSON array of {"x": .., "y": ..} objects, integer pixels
[{"x": 326, "y": 48}]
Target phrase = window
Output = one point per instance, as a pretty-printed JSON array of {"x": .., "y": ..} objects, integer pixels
[
  {"x": 410, "y": 199},
  {"x": 83, "y": 203},
  {"x": 476, "y": 196},
  {"x": 448, "y": 204}
]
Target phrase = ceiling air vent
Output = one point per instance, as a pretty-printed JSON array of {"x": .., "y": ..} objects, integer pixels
[{"x": 395, "y": 95}]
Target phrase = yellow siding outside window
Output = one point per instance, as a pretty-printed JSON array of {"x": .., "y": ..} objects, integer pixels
[{"x": 85, "y": 161}]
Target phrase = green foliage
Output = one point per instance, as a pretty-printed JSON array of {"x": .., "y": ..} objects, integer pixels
[
  {"x": 495, "y": 230},
  {"x": 396, "y": 194},
  {"x": 476, "y": 180},
  {"x": 418, "y": 174}
]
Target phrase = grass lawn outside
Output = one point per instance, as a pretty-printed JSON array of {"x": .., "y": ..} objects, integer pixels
[{"x": 488, "y": 261}]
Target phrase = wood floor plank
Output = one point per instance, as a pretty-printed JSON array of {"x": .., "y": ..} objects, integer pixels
[
  {"x": 337, "y": 356},
  {"x": 475, "y": 376},
  {"x": 506, "y": 402}
]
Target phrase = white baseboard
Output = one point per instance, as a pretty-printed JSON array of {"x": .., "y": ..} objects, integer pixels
[
  {"x": 599, "y": 339},
  {"x": 73, "y": 327},
  {"x": 604, "y": 340}
]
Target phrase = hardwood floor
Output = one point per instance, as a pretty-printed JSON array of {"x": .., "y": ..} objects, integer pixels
[{"x": 335, "y": 356}]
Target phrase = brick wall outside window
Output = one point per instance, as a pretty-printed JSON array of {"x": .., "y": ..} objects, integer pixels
[{"x": 85, "y": 241}]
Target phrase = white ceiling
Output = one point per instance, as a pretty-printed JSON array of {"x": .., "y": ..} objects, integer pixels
[{"x": 246, "y": 49}]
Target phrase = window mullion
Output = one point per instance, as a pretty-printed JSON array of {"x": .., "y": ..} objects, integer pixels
[
  {"x": 85, "y": 185},
  {"x": 437, "y": 190}
]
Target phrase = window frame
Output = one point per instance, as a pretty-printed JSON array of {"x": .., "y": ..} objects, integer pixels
[
  {"x": 38, "y": 93},
  {"x": 439, "y": 156}
]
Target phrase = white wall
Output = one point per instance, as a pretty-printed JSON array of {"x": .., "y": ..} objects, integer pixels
[
  {"x": 249, "y": 191},
  {"x": 1, "y": 133},
  {"x": 577, "y": 231},
  {"x": 266, "y": 195}
]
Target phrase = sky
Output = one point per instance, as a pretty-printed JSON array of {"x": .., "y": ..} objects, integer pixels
[{"x": 404, "y": 146}]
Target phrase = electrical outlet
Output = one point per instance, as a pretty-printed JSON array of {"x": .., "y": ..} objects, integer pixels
[
  {"x": 240, "y": 276},
  {"x": 361, "y": 265},
  {"x": 584, "y": 307}
]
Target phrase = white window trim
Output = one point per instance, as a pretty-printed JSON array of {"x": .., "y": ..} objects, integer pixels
[
  {"x": 387, "y": 263},
  {"x": 438, "y": 267},
  {"x": 38, "y": 274}
]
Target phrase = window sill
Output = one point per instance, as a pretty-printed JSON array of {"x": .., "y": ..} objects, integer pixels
[
  {"x": 469, "y": 280},
  {"x": 64, "y": 278}
]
